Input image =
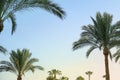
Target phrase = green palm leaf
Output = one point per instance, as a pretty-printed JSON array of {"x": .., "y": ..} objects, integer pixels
[{"x": 8, "y": 8}]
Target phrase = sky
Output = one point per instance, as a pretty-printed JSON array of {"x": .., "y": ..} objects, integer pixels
[{"x": 50, "y": 40}]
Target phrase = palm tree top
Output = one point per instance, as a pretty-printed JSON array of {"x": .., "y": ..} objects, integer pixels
[
  {"x": 101, "y": 34},
  {"x": 88, "y": 72},
  {"x": 55, "y": 71},
  {"x": 20, "y": 62}
]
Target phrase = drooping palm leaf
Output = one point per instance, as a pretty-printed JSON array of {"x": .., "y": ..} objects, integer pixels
[{"x": 8, "y": 8}]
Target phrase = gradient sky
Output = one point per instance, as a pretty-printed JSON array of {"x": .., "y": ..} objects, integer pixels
[{"x": 50, "y": 40}]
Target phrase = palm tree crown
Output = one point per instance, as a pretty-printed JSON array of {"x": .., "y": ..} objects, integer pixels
[
  {"x": 20, "y": 62},
  {"x": 89, "y": 73},
  {"x": 54, "y": 72},
  {"x": 101, "y": 34},
  {"x": 8, "y": 8}
]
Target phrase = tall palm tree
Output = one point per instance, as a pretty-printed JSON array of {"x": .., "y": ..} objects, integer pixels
[
  {"x": 102, "y": 35},
  {"x": 89, "y": 73},
  {"x": 8, "y": 8},
  {"x": 20, "y": 63},
  {"x": 54, "y": 72}
]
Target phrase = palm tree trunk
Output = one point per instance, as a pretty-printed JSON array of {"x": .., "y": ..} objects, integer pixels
[
  {"x": 54, "y": 76},
  {"x": 105, "y": 52},
  {"x": 19, "y": 77},
  {"x": 89, "y": 76}
]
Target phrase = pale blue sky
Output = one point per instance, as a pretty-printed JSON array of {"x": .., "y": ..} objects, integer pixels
[{"x": 50, "y": 39}]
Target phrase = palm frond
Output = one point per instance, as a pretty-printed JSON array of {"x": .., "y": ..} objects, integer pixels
[
  {"x": 116, "y": 55},
  {"x": 7, "y": 66},
  {"x": 80, "y": 43},
  {"x": 13, "y": 20},
  {"x": 90, "y": 50},
  {"x": 110, "y": 54},
  {"x": 38, "y": 67},
  {"x": 3, "y": 50},
  {"x": 44, "y": 4}
]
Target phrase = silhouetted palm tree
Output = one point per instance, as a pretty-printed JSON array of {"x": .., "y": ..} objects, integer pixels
[
  {"x": 54, "y": 72},
  {"x": 20, "y": 63},
  {"x": 8, "y": 8},
  {"x": 101, "y": 34},
  {"x": 89, "y": 73}
]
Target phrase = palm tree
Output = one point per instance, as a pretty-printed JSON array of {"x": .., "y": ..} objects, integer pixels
[
  {"x": 89, "y": 73},
  {"x": 20, "y": 62},
  {"x": 54, "y": 72},
  {"x": 80, "y": 78},
  {"x": 102, "y": 35},
  {"x": 8, "y": 8}
]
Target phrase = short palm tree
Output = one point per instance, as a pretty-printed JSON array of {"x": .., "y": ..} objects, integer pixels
[
  {"x": 20, "y": 63},
  {"x": 89, "y": 73},
  {"x": 102, "y": 35},
  {"x": 8, "y": 8},
  {"x": 80, "y": 78},
  {"x": 54, "y": 72},
  {"x": 64, "y": 78}
]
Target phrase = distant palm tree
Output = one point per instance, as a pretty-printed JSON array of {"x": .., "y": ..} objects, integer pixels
[
  {"x": 54, "y": 72},
  {"x": 8, "y": 8},
  {"x": 89, "y": 73},
  {"x": 102, "y": 35},
  {"x": 80, "y": 78},
  {"x": 64, "y": 78},
  {"x": 20, "y": 63}
]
